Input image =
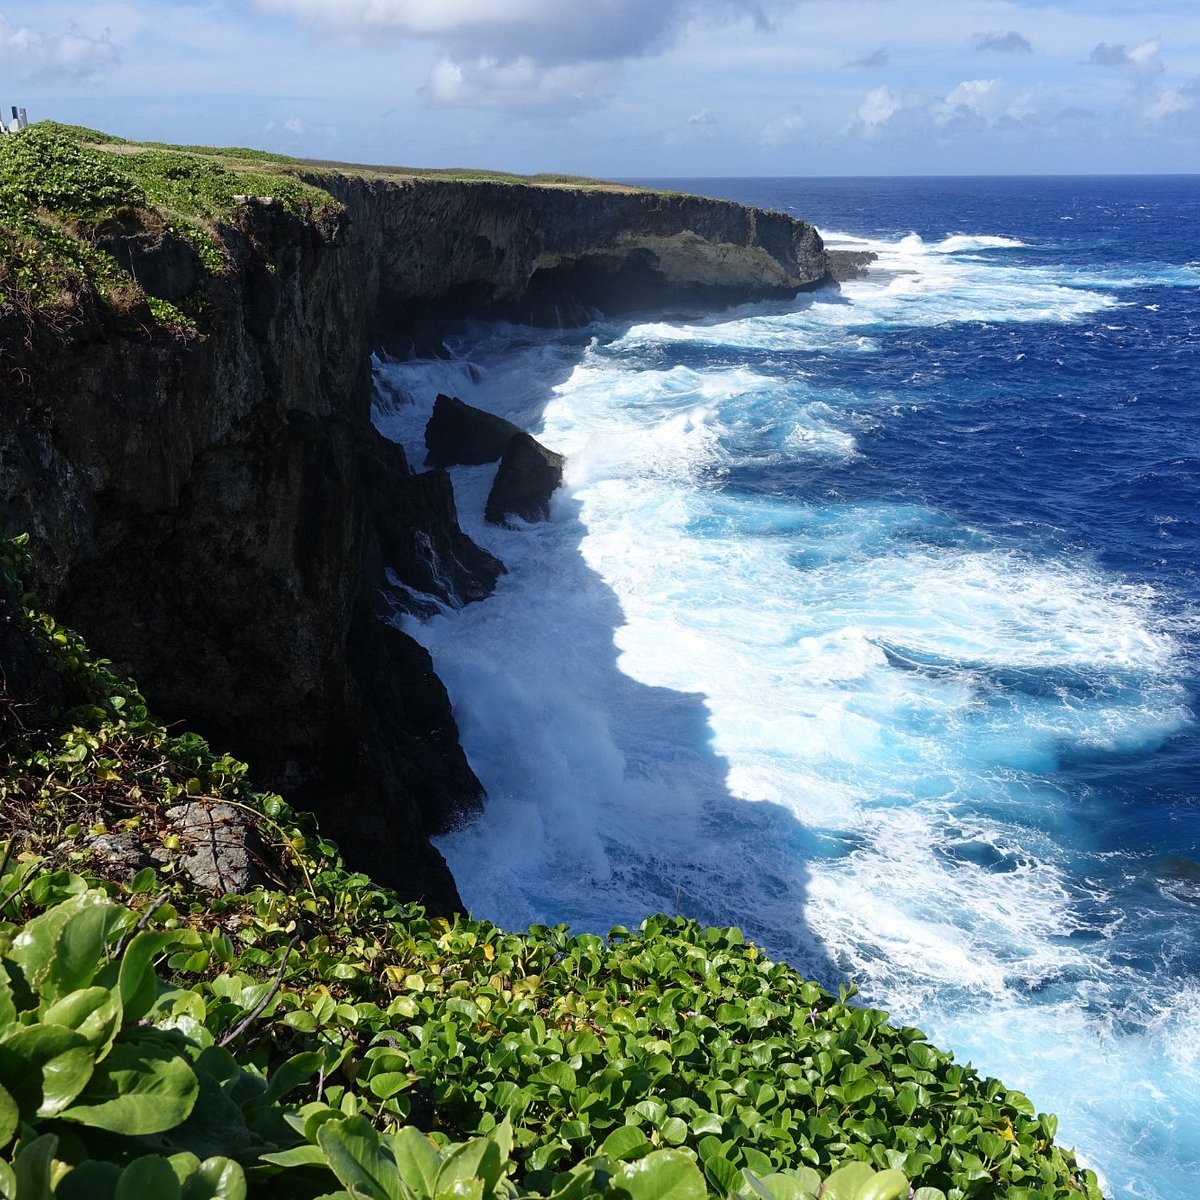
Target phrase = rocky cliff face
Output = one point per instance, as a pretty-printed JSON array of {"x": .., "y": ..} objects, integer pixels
[
  {"x": 554, "y": 255},
  {"x": 217, "y": 515}
]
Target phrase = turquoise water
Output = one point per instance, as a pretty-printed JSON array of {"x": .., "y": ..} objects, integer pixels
[{"x": 868, "y": 623}]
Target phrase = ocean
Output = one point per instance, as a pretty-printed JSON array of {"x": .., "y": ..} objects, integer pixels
[{"x": 868, "y": 623}]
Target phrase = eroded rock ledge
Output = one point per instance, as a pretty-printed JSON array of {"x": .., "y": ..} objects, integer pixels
[{"x": 217, "y": 515}]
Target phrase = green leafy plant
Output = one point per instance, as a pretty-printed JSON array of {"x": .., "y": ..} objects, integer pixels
[{"x": 580, "y": 1057}]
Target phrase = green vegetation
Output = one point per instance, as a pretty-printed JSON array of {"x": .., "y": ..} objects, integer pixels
[
  {"x": 66, "y": 190},
  {"x": 316, "y": 1032},
  {"x": 68, "y": 193}
]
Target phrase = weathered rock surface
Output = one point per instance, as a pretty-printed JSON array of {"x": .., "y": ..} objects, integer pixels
[
  {"x": 556, "y": 255},
  {"x": 459, "y": 434},
  {"x": 525, "y": 480},
  {"x": 849, "y": 264},
  {"x": 217, "y": 515}
]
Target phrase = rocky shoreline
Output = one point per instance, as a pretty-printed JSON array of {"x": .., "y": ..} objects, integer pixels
[{"x": 216, "y": 514}]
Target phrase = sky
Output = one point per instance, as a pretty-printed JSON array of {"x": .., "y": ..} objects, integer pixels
[{"x": 631, "y": 88}]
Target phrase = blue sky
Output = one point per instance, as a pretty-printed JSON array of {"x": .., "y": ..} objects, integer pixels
[{"x": 627, "y": 88}]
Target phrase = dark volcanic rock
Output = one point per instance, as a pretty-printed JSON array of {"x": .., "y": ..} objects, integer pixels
[
  {"x": 849, "y": 264},
  {"x": 216, "y": 514},
  {"x": 164, "y": 263},
  {"x": 525, "y": 480},
  {"x": 459, "y": 434},
  {"x": 422, "y": 549}
]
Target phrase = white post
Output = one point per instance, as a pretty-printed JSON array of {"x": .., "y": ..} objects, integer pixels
[{"x": 22, "y": 119}]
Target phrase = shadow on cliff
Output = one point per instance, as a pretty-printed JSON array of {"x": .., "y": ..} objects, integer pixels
[{"x": 607, "y": 800}]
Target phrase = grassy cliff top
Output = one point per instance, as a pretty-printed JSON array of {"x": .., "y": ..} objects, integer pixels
[{"x": 68, "y": 194}]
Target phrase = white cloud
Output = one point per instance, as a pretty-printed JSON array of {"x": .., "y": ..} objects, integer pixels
[
  {"x": 29, "y": 54},
  {"x": 973, "y": 95},
  {"x": 878, "y": 107},
  {"x": 547, "y": 31},
  {"x": 1168, "y": 101},
  {"x": 1143, "y": 61},
  {"x": 783, "y": 129},
  {"x": 702, "y": 118},
  {"x": 520, "y": 84}
]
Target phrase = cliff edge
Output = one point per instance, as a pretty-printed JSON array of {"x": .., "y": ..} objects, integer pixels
[{"x": 185, "y": 387}]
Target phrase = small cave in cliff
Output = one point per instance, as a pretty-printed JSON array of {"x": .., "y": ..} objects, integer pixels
[{"x": 572, "y": 292}]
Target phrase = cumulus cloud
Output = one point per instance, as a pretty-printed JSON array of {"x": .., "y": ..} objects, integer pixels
[
  {"x": 522, "y": 54},
  {"x": 878, "y": 107},
  {"x": 1143, "y": 61},
  {"x": 27, "y": 53},
  {"x": 545, "y": 31},
  {"x": 1006, "y": 43},
  {"x": 703, "y": 118},
  {"x": 520, "y": 84},
  {"x": 783, "y": 129},
  {"x": 973, "y": 95},
  {"x": 973, "y": 104},
  {"x": 877, "y": 58}
]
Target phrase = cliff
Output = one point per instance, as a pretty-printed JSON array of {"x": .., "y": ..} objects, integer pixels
[{"x": 185, "y": 434}]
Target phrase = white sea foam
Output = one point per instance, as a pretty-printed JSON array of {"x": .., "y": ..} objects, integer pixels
[{"x": 832, "y": 723}]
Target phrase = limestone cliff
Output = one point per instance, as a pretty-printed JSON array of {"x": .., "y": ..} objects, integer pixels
[{"x": 217, "y": 515}]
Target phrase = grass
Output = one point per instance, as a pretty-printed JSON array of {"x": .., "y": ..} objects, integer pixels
[{"x": 60, "y": 184}]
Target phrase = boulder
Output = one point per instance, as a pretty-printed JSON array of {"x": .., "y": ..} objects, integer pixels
[
  {"x": 460, "y": 435},
  {"x": 525, "y": 480}
]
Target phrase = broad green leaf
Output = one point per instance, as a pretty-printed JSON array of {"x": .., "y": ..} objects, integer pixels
[
  {"x": 8, "y": 1183},
  {"x": 94, "y": 1013},
  {"x": 416, "y": 1158},
  {"x": 10, "y": 1115},
  {"x": 388, "y": 1083},
  {"x": 296, "y": 1070},
  {"x": 797, "y": 1184},
  {"x": 136, "y": 981},
  {"x": 858, "y": 1089},
  {"x": 846, "y": 1182},
  {"x": 216, "y": 1179},
  {"x": 8, "y": 1007},
  {"x": 478, "y": 1159},
  {"x": 150, "y": 1175},
  {"x": 32, "y": 1168},
  {"x": 654, "y": 1111},
  {"x": 662, "y": 1175},
  {"x": 675, "y": 1131},
  {"x": 184, "y": 1163},
  {"x": 928, "y": 1193},
  {"x": 44, "y": 1067},
  {"x": 355, "y": 1156},
  {"x": 502, "y": 1135},
  {"x": 723, "y": 1173},
  {"x": 887, "y": 1185},
  {"x": 626, "y": 1141},
  {"x": 558, "y": 1074},
  {"x": 144, "y": 1086},
  {"x": 297, "y": 1156},
  {"x": 33, "y": 948},
  {"x": 91, "y": 1180},
  {"x": 61, "y": 950}
]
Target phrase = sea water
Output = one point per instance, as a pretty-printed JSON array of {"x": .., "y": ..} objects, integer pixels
[{"x": 868, "y": 622}]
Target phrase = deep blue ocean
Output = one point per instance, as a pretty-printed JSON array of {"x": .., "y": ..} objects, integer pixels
[{"x": 868, "y": 622}]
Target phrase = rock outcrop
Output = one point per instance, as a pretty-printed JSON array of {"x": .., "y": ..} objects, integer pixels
[
  {"x": 216, "y": 514},
  {"x": 527, "y": 477},
  {"x": 459, "y": 434}
]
